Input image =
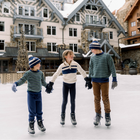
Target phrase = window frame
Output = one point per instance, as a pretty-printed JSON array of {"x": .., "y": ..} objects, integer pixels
[
  {"x": 4, "y": 45},
  {"x": 30, "y": 46},
  {"x": 79, "y": 17},
  {"x": 4, "y": 26},
  {"x": 43, "y": 12},
  {"x": 51, "y": 46},
  {"x": 51, "y": 30},
  {"x": 73, "y": 47},
  {"x": 103, "y": 20},
  {"x": 23, "y": 10},
  {"x": 133, "y": 32},
  {"x": 91, "y": 7},
  {"x": 133, "y": 24},
  {"x": 90, "y": 18},
  {"x": 73, "y": 32},
  {"x": 29, "y": 28},
  {"x": 110, "y": 35},
  {"x": 3, "y": 8}
]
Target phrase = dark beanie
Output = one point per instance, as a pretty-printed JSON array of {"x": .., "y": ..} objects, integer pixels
[
  {"x": 33, "y": 61},
  {"x": 95, "y": 45}
]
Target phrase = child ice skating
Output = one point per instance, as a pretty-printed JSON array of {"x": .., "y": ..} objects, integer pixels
[
  {"x": 69, "y": 70},
  {"x": 100, "y": 68},
  {"x": 35, "y": 80}
]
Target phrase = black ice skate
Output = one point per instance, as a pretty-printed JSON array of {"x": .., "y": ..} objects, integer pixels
[
  {"x": 41, "y": 126},
  {"x": 31, "y": 127},
  {"x": 97, "y": 119},
  {"x": 62, "y": 122},
  {"x": 73, "y": 119},
  {"x": 107, "y": 119}
]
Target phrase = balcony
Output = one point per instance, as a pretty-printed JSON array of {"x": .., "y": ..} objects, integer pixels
[
  {"x": 36, "y": 33},
  {"x": 138, "y": 25},
  {"x": 24, "y": 15},
  {"x": 98, "y": 35},
  {"x": 94, "y": 24},
  {"x": 138, "y": 16}
]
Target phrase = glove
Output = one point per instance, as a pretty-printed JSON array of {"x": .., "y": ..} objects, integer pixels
[
  {"x": 14, "y": 87},
  {"x": 49, "y": 87},
  {"x": 114, "y": 84},
  {"x": 88, "y": 82}
]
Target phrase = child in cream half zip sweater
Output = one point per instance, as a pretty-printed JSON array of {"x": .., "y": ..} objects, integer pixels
[{"x": 69, "y": 70}]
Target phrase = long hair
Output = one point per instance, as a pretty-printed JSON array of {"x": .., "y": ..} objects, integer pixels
[{"x": 65, "y": 53}]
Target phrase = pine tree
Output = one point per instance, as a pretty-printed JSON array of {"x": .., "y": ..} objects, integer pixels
[{"x": 22, "y": 58}]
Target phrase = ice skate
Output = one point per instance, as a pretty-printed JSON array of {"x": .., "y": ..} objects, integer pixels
[
  {"x": 41, "y": 126},
  {"x": 107, "y": 119},
  {"x": 73, "y": 119},
  {"x": 62, "y": 122},
  {"x": 97, "y": 119},
  {"x": 31, "y": 127}
]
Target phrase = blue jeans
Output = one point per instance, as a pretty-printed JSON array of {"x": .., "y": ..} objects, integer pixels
[
  {"x": 35, "y": 105},
  {"x": 66, "y": 88}
]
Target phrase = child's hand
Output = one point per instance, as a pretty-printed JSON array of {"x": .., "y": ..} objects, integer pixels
[
  {"x": 114, "y": 84},
  {"x": 88, "y": 82},
  {"x": 14, "y": 87},
  {"x": 49, "y": 87}
]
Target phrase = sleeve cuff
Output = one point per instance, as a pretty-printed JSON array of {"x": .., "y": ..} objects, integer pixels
[
  {"x": 16, "y": 83},
  {"x": 114, "y": 79}
]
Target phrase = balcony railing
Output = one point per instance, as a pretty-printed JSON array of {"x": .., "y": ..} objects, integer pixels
[
  {"x": 98, "y": 35},
  {"x": 21, "y": 16},
  {"x": 94, "y": 24},
  {"x": 138, "y": 24},
  {"x": 36, "y": 33}
]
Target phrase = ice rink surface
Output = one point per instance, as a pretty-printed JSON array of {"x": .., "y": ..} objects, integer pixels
[{"x": 125, "y": 113}]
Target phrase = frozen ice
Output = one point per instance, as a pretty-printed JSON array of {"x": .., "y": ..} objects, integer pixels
[{"x": 125, "y": 112}]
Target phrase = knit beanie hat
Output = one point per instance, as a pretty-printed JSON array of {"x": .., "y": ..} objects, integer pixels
[
  {"x": 95, "y": 45},
  {"x": 33, "y": 61}
]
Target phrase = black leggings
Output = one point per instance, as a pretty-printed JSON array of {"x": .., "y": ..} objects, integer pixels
[{"x": 66, "y": 89}]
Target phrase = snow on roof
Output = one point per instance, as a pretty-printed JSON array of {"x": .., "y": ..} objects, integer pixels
[
  {"x": 69, "y": 8},
  {"x": 127, "y": 46}
]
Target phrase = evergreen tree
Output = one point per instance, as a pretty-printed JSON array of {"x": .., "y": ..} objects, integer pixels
[{"x": 22, "y": 58}]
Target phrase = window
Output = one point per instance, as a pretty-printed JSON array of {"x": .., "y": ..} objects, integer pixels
[
  {"x": 1, "y": 45},
  {"x": 29, "y": 29},
  {"x": 91, "y": 19},
  {"x": 6, "y": 7},
  {"x": 1, "y": 26},
  {"x": 26, "y": 10},
  {"x": 73, "y": 47},
  {"x": 111, "y": 35},
  {"x": 104, "y": 20},
  {"x": 51, "y": 47},
  {"x": 133, "y": 24},
  {"x": 133, "y": 33},
  {"x": 77, "y": 17},
  {"x": 51, "y": 30},
  {"x": 73, "y": 32},
  {"x": 91, "y": 7},
  {"x": 31, "y": 46},
  {"x": 45, "y": 13}
]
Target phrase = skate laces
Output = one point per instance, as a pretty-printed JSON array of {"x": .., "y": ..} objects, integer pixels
[
  {"x": 31, "y": 124},
  {"x": 40, "y": 123},
  {"x": 98, "y": 118},
  {"x": 73, "y": 117}
]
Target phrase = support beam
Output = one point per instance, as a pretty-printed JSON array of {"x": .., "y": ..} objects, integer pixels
[
  {"x": 39, "y": 2},
  {"x": 105, "y": 48},
  {"x": 110, "y": 22},
  {"x": 97, "y": 2}
]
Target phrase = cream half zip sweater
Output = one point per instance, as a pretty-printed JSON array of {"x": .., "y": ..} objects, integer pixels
[{"x": 69, "y": 72}]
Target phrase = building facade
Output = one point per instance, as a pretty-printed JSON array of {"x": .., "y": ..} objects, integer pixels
[{"x": 50, "y": 26}]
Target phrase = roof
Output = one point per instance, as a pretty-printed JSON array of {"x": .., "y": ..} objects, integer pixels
[
  {"x": 40, "y": 52},
  {"x": 128, "y": 46},
  {"x": 130, "y": 11},
  {"x": 66, "y": 15}
]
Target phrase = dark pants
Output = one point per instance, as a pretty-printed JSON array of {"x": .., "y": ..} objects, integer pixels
[
  {"x": 66, "y": 89},
  {"x": 101, "y": 89},
  {"x": 34, "y": 105}
]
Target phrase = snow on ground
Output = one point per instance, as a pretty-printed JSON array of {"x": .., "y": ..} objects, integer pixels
[{"x": 125, "y": 113}]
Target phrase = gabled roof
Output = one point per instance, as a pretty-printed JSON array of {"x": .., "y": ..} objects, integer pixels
[
  {"x": 65, "y": 16},
  {"x": 130, "y": 11}
]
